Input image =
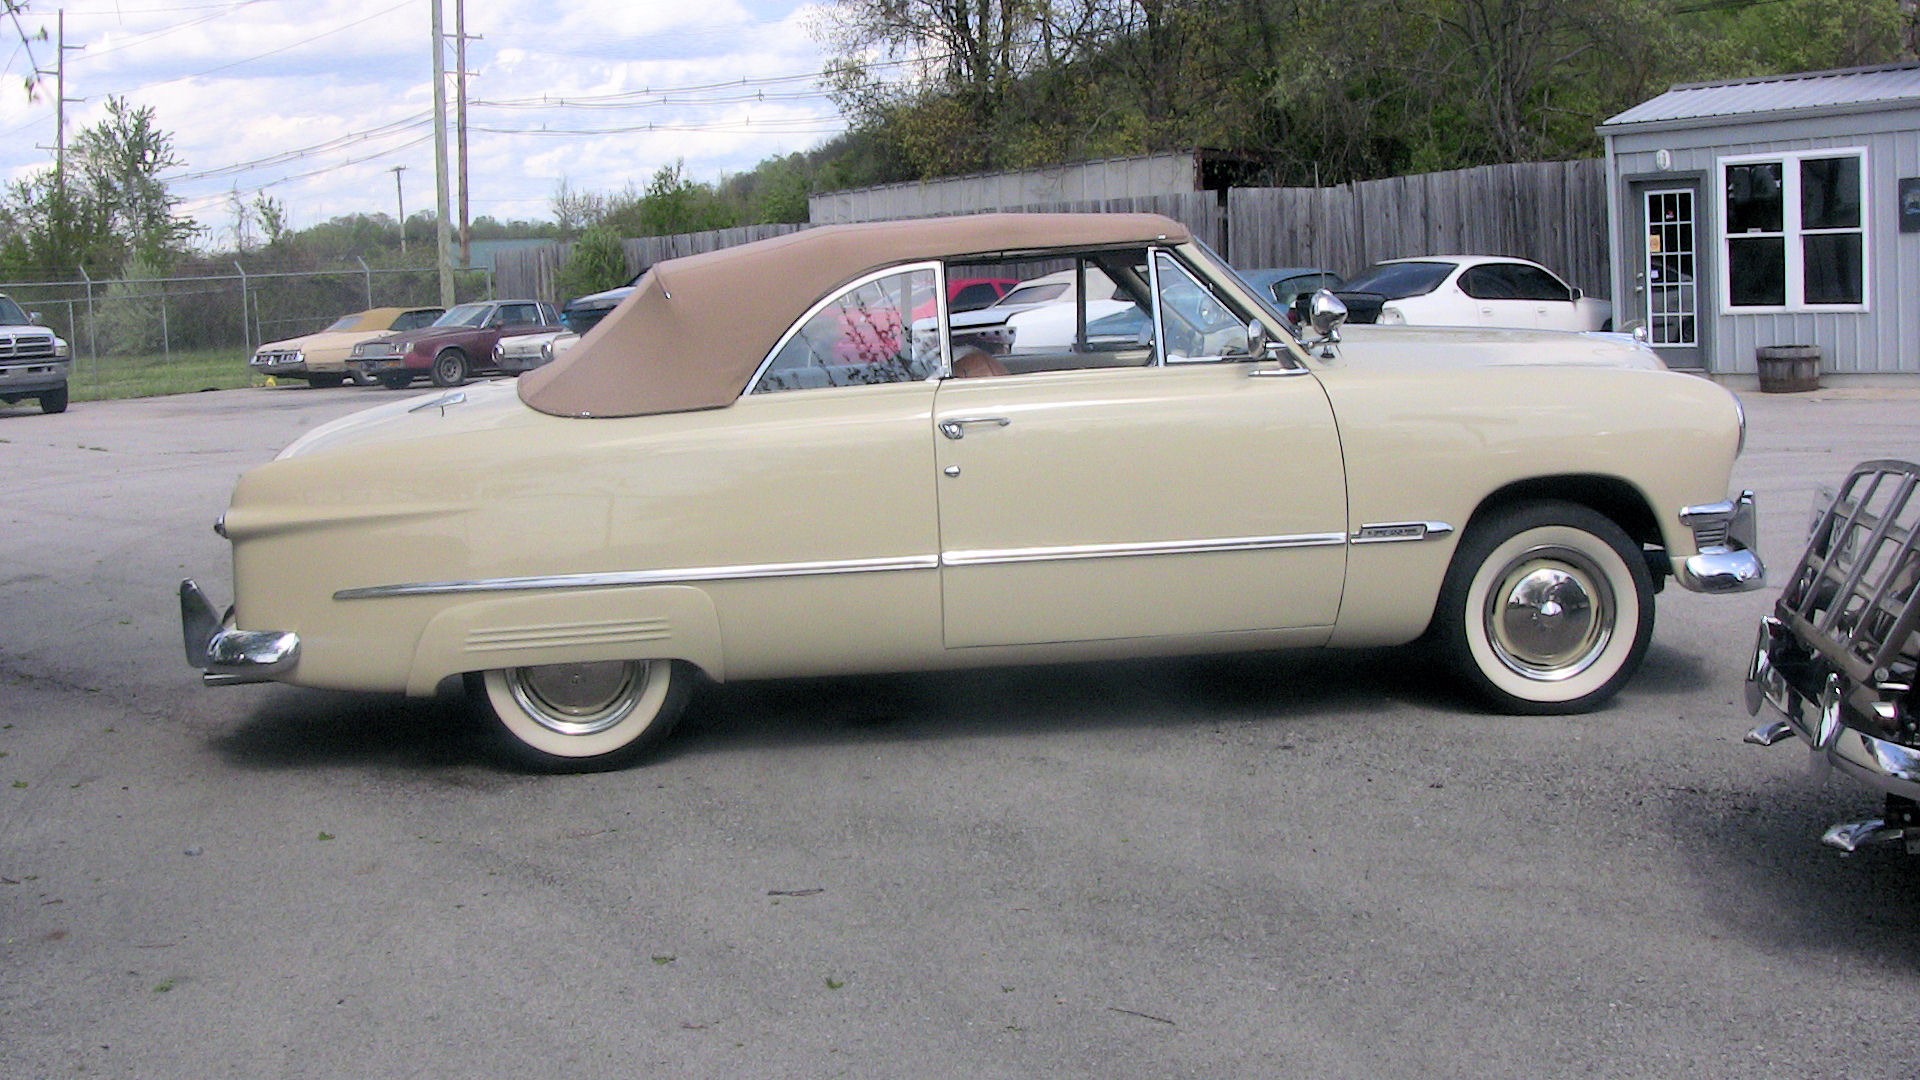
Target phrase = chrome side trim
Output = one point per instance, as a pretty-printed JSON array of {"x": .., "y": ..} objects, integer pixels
[
  {"x": 1391, "y": 532},
  {"x": 989, "y": 557},
  {"x": 615, "y": 579},
  {"x": 995, "y": 556}
]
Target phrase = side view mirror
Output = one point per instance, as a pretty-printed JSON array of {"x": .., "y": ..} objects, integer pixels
[
  {"x": 33, "y": 317},
  {"x": 1578, "y": 295},
  {"x": 1261, "y": 342},
  {"x": 1327, "y": 313}
]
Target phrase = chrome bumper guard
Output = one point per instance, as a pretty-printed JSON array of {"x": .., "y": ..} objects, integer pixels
[
  {"x": 1839, "y": 656},
  {"x": 228, "y": 656},
  {"x": 1823, "y": 723},
  {"x": 1726, "y": 534}
]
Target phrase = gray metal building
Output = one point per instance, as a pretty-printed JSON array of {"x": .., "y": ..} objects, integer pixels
[{"x": 1772, "y": 212}]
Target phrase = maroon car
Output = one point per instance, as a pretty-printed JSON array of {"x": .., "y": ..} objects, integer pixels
[{"x": 457, "y": 345}]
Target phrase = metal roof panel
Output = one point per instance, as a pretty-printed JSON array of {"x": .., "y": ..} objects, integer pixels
[{"x": 1796, "y": 92}]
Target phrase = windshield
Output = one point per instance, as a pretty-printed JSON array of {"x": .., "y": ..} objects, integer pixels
[
  {"x": 10, "y": 313},
  {"x": 344, "y": 322},
  {"x": 1397, "y": 281},
  {"x": 464, "y": 315}
]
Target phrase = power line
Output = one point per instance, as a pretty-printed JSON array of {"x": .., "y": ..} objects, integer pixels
[{"x": 262, "y": 56}]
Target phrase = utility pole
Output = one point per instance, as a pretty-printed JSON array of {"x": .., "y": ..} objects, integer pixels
[
  {"x": 401, "y": 197},
  {"x": 60, "y": 100},
  {"x": 445, "y": 256},
  {"x": 460, "y": 64}
]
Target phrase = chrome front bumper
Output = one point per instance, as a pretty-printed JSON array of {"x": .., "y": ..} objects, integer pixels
[
  {"x": 1727, "y": 536},
  {"x": 228, "y": 656}
]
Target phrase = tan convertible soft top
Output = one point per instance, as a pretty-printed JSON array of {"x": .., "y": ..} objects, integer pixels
[{"x": 697, "y": 328}]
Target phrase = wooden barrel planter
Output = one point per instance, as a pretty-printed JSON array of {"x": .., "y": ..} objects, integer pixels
[{"x": 1788, "y": 369}]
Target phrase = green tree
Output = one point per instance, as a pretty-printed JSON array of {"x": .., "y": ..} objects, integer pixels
[
  {"x": 112, "y": 205},
  {"x": 118, "y": 162},
  {"x": 597, "y": 262}
]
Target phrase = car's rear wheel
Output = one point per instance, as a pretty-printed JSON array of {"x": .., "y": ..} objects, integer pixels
[
  {"x": 54, "y": 401},
  {"x": 1547, "y": 608},
  {"x": 449, "y": 368},
  {"x": 581, "y": 717},
  {"x": 360, "y": 378},
  {"x": 395, "y": 382}
]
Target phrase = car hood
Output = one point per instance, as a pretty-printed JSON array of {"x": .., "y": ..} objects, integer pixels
[
  {"x": 1426, "y": 348},
  {"x": 474, "y": 407},
  {"x": 407, "y": 339}
]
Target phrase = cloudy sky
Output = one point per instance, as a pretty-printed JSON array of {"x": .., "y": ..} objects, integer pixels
[{"x": 315, "y": 103}]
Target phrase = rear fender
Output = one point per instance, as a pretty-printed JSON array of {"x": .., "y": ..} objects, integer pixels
[{"x": 660, "y": 622}]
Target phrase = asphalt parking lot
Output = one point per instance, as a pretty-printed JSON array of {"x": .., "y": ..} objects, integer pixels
[{"x": 1297, "y": 865}]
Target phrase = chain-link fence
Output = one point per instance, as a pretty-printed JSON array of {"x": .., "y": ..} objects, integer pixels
[{"x": 165, "y": 316}]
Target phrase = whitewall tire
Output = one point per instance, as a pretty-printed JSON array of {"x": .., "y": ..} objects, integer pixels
[
  {"x": 1547, "y": 608},
  {"x": 580, "y": 717}
]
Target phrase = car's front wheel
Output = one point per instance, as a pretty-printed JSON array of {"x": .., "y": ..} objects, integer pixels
[
  {"x": 1547, "y": 608},
  {"x": 581, "y": 717},
  {"x": 54, "y": 401},
  {"x": 449, "y": 368}
]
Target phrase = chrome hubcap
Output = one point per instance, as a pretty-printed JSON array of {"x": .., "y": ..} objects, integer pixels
[
  {"x": 1550, "y": 614},
  {"x": 579, "y": 699}
]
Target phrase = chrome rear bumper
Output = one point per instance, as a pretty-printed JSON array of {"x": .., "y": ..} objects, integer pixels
[{"x": 228, "y": 656}]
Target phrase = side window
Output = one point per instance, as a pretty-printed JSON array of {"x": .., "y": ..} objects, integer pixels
[
  {"x": 1488, "y": 281},
  {"x": 859, "y": 338},
  {"x": 978, "y": 295},
  {"x": 1533, "y": 283},
  {"x": 1196, "y": 324}
]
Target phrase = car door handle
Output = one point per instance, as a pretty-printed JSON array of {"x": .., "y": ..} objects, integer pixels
[{"x": 956, "y": 428}]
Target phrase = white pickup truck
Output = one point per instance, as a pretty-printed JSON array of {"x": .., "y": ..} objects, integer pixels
[{"x": 34, "y": 363}]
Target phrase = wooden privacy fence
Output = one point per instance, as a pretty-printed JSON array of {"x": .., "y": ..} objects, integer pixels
[{"x": 1554, "y": 213}]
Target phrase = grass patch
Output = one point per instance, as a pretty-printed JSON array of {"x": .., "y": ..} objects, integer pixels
[{"x": 111, "y": 377}]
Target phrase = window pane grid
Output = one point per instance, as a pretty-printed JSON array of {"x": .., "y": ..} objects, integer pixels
[{"x": 1795, "y": 235}]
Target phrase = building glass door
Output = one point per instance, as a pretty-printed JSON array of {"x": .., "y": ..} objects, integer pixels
[{"x": 1668, "y": 278}]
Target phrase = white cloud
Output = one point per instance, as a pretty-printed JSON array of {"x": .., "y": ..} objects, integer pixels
[{"x": 275, "y": 82}]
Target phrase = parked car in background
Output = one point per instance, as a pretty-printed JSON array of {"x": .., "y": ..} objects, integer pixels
[
  {"x": 525, "y": 352},
  {"x": 1285, "y": 285},
  {"x": 744, "y": 491},
  {"x": 1030, "y": 317},
  {"x": 583, "y": 313},
  {"x": 34, "y": 362},
  {"x": 1470, "y": 290},
  {"x": 1838, "y": 660},
  {"x": 321, "y": 358},
  {"x": 456, "y": 346},
  {"x": 967, "y": 294}
]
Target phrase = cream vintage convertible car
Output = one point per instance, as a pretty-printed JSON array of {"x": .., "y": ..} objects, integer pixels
[{"x": 754, "y": 469}]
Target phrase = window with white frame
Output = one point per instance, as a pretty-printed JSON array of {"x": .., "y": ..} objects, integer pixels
[{"x": 1795, "y": 230}]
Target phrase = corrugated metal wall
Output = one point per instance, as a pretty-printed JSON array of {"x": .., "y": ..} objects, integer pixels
[
  {"x": 1082, "y": 182},
  {"x": 1885, "y": 339}
]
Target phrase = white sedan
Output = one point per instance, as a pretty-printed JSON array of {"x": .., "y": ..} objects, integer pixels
[{"x": 1471, "y": 290}]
